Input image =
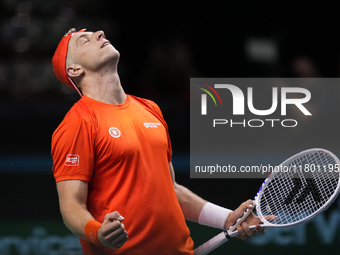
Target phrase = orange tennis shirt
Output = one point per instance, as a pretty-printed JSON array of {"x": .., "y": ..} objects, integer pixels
[{"x": 123, "y": 152}]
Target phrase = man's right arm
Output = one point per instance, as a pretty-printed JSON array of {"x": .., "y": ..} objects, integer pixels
[{"x": 72, "y": 200}]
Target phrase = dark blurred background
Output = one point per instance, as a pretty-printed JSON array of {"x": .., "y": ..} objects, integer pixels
[{"x": 162, "y": 44}]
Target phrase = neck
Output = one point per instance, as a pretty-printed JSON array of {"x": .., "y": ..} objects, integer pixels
[{"x": 103, "y": 86}]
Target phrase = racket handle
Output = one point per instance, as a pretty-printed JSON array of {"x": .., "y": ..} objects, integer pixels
[
  {"x": 211, "y": 244},
  {"x": 216, "y": 241}
]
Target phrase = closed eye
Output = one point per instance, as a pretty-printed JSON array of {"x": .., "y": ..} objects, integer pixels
[{"x": 82, "y": 40}]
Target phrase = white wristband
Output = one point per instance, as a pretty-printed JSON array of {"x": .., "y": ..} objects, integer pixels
[{"x": 213, "y": 216}]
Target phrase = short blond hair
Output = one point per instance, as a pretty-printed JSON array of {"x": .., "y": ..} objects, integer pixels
[{"x": 72, "y": 30}]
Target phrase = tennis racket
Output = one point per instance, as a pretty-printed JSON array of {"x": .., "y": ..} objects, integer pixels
[{"x": 296, "y": 191}]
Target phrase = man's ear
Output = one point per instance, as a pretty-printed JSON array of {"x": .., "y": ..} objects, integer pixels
[{"x": 74, "y": 71}]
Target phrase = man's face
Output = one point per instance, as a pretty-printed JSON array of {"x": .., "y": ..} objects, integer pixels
[{"x": 91, "y": 50}]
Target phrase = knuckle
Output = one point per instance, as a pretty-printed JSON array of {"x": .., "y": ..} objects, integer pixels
[
  {"x": 104, "y": 230},
  {"x": 109, "y": 215},
  {"x": 118, "y": 245},
  {"x": 117, "y": 225}
]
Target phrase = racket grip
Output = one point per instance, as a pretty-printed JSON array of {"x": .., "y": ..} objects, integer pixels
[
  {"x": 240, "y": 220},
  {"x": 211, "y": 244}
]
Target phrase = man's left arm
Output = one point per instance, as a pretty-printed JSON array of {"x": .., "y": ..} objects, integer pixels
[{"x": 194, "y": 206}]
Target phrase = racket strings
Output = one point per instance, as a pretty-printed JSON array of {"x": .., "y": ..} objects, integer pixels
[{"x": 300, "y": 188}]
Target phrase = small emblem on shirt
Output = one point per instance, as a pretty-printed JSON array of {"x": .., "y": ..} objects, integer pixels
[
  {"x": 151, "y": 124},
  {"x": 72, "y": 160},
  {"x": 114, "y": 132}
]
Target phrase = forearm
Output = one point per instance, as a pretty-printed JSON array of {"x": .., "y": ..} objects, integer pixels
[
  {"x": 75, "y": 217},
  {"x": 197, "y": 209},
  {"x": 191, "y": 204},
  {"x": 72, "y": 202},
  {"x": 72, "y": 199},
  {"x": 213, "y": 215},
  {"x": 111, "y": 232}
]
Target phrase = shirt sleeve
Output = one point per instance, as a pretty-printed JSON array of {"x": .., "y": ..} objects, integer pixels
[{"x": 72, "y": 149}]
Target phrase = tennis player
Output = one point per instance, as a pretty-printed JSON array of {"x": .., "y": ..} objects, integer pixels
[{"x": 112, "y": 163}]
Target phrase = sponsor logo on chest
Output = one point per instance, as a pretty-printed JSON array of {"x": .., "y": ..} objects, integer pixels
[
  {"x": 152, "y": 124},
  {"x": 114, "y": 132}
]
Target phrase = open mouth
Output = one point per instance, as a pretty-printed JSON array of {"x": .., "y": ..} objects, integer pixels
[{"x": 105, "y": 44}]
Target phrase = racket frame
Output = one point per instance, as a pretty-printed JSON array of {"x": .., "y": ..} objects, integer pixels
[
  {"x": 224, "y": 236},
  {"x": 287, "y": 162}
]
